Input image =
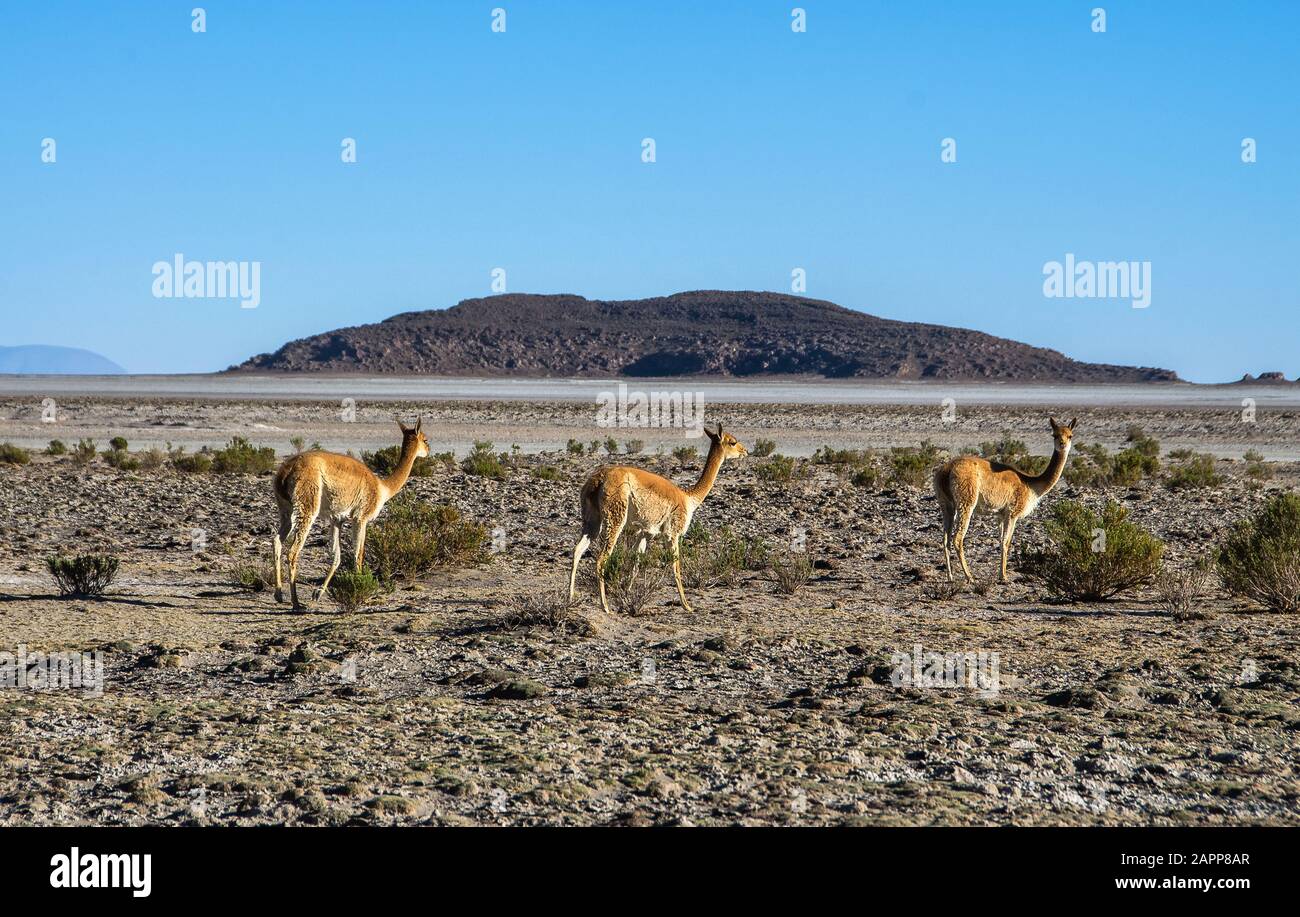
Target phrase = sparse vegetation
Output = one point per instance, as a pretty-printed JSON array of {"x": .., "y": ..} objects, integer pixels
[
  {"x": 153, "y": 458},
  {"x": 573, "y": 447},
  {"x": 56, "y": 447},
  {"x": 1092, "y": 555},
  {"x": 633, "y": 446},
  {"x": 482, "y": 462},
  {"x": 611, "y": 446},
  {"x": 1257, "y": 469},
  {"x": 718, "y": 557},
  {"x": 14, "y": 455},
  {"x": 763, "y": 448},
  {"x": 414, "y": 537},
  {"x": 1260, "y": 559},
  {"x": 686, "y": 454},
  {"x": 1193, "y": 473},
  {"x": 120, "y": 458},
  {"x": 778, "y": 468},
  {"x": 118, "y": 444},
  {"x": 242, "y": 457},
  {"x": 632, "y": 579},
  {"x": 1180, "y": 588},
  {"x": 82, "y": 575},
  {"x": 551, "y": 610},
  {"x": 790, "y": 571},
  {"x": 354, "y": 589},
  {"x": 84, "y": 452},
  {"x": 254, "y": 577},
  {"x": 913, "y": 465},
  {"x": 546, "y": 473},
  {"x": 198, "y": 463}
]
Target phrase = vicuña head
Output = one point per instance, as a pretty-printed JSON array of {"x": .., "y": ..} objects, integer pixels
[
  {"x": 968, "y": 483},
  {"x": 339, "y": 487},
  {"x": 648, "y": 505}
]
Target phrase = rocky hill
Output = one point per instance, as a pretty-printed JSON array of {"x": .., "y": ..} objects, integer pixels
[{"x": 702, "y": 333}]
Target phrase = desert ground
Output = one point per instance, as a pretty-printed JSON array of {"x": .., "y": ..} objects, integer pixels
[{"x": 444, "y": 703}]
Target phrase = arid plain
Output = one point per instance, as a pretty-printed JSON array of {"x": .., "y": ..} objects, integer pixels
[{"x": 449, "y": 700}]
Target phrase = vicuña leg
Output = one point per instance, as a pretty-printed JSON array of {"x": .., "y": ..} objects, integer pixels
[
  {"x": 963, "y": 514},
  {"x": 578, "y": 550},
  {"x": 336, "y": 556},
  {"x": 359, "y": 546},
  {"x": 299, "y": 528},
  {"x": 611, "y": 528},
  {"x": 1008, "y": 529},
  {"x": 677, "y": 573},
  {"x": 946, "y": 509},
  {"x": 277, "y": 544}
]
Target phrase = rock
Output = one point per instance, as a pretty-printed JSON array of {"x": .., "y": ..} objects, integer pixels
[
  {"x": 520, "y": 689},
  {"x": 1084, "y": 698}
]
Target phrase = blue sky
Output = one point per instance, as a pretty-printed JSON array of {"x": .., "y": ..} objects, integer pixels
[{"x": 775, "y": 150}]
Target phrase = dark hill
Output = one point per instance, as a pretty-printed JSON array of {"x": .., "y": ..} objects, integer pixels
[{"x": 708, "y": 333}]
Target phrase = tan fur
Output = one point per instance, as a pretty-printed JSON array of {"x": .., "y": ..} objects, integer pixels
[
  {"x": 968, "y": 484},
  {"x": 339, "y": 487},
  {"x": 648, "y": 505}
]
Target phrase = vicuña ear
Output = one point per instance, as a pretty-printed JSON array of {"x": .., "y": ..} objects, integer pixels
[
  {"x": 714, "y": 435},
  {"x": 403, "y": 427},
  {"x": 1073, "y": 421},
  {"x": 419, "y": 422},
  {"x": 1055, "y": 426}
]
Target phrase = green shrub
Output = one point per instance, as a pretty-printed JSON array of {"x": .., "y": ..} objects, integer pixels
[
  {"x": 1180, "y": 588},
  {"x": 1260, "y": 559},
  {"x": 778, "y": 468},
  {"x": 83, "y": 575},
  {"x": 412, "y": 538},
  {"x": 242, "y": 457},
  {"x": 384, "y": 462},
  {"x": 255, "y": 578},
  {"x": 914, "y": 466},
  {"x": 686, "y": 453},
  {"x": 1006, "y": 450},
  {"x": 717, "y": 558},
  {"x": 353, "y": 589},
  {"x": 574, "y": 447},
  {"x": 1139, "y": 441},
  {"x": 633, "y": 446},
  {"x": 868, "y": 475},
  {"x": 198, "y": 463},
  {"x": 297, "y": 444},
  {"x": 56, "y": 447},
  {"x": 118, "y": 444},
  {"x": 551, "y": 610},
  {"x": 1256, "y": 468},
  {"x": 1194, "y": 473},
  {"x": 1089, "y": 466},
  {"x": 153, "y": 459},
  {"x": 1131, "y": 466},
  {"x": 829, "y": 456},
  {"x": 790, "y": 571},
  {"x": 83, "y": 453},
  {"x": 763, "y": 448},
  {"x": 632, "y": 579},
  {"x": 611, "y": 445},
  {"x": 120, "y": 459},
  {"x": 1092, "y": 556},
  {"x": 546, "y": 473},
  {"x": 482, "y": 462},
  {"x": 14, "y": 455}
]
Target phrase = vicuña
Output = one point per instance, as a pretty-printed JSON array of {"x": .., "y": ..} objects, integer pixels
[
  {"x": 651, "y": 505},
  {"x": 968, "y": 483},
  {"x": 313, "y": 483}
]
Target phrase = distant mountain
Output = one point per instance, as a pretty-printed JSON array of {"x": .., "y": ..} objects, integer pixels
[
  {"x": 45, "y": 359},
  {"x": 704, "y": 333}
]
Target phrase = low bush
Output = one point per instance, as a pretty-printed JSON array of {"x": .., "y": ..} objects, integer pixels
[
  {"x": 632, "y": 579},
  {"x": 120, "y": 459},
  {"x": 118, "y": 444},
  {"x": 1256, "y": 467},
  {"x": 82, "y": 575},
  {"x": 198, "y": 463},
  {"x": 153, "y": 459},
  {"x": 255, "y": 578},
  {"x": 633, "y": 446},
  {"x": 14, "y": 455},
  {"x": 1193, "y": 473},
  {"x": 1180, "y": 588},
  {"x": 242, "y": 457},
  {"x": 914, "y": 465},
  {"x": 778, "y": 468},
  {"x": 354, "y": 589},
  {"x": 686, "y": 454},
  {"x": 763, "y": 448},
  {"x": 83, "y": 453},
  {"x": 552, "y": 610},
  {"x": 412, "y": 538},
  {"x": 546, "y": 473},
  {"x": 482, "y": 462},
  {"x": 56, "y": 447},
  {"x": 790, "y": 571},
  {"x": 1092, "y": 555},
  {"x": 1260, "y": 559},
  {"x": 868, "y": 475},
  {"x": 573, "y": 447},
  {"x": 718, "y": 557}
]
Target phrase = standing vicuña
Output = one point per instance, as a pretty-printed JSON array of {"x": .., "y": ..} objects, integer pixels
[
  {"x": 312, "y": 483},
  {"x": 969, "y": 482},
  {"x": 652, "y": 505}
]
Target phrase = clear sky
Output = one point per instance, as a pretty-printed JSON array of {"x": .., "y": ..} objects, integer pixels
[{"x": 775, "y": 150}]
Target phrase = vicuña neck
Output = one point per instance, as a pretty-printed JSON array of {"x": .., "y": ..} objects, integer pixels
[
  {"x": 393, "y": 482},
  {"x": 710, "y": 474},
  {"x": 1042, "y": 483}
]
